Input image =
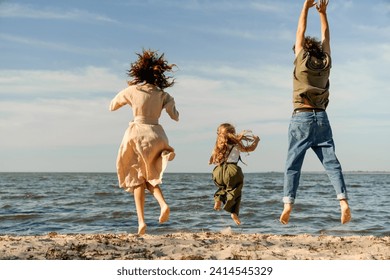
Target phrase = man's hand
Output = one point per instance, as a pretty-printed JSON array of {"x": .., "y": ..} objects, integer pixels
[
  {"x": 321, "y": 6},
  {"x": 310, "y": 3}
]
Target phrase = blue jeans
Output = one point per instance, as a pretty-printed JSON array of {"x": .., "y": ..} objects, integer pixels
[{"x": 311, "y": 130}]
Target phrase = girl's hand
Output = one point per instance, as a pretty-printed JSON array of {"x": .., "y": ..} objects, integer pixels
[{"x": 256, "y": 139}]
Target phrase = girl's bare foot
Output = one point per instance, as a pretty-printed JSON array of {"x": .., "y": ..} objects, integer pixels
[
  {"x": 235, "y": 218},
  {"x": 217, "y": 205},
  {"x": 285, "y": 217},
  {"x": 345, "y": 212},
  {"x": 164, "y": 216},
  {"x": 141, "y": 229}
]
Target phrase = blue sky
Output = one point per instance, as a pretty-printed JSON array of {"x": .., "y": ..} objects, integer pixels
[{"x": 61, "y": 62}]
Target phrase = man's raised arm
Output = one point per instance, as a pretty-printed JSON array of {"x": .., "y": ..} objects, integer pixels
[
  {"x": 302, "y": 23},
  {"x": 325, "y": 33}
]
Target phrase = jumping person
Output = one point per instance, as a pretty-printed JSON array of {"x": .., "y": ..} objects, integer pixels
[
  {"x": 144, "y": 152},
  {"x": 227, "y": 175},
  {"x": 309, "y": 124}
]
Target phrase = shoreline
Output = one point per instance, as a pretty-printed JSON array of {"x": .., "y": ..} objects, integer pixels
[
  {"x": 380, "y": 172},
  {"x": 193, "y": 246}
]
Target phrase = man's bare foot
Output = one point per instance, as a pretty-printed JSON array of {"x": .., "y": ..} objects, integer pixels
[
  {"x": 235, "y": 218},
  {"x": 217, "y": 205},
  {"x": 345, "y": 212},
  {"x": 286, "y": 213},
  {"x": 164, "y": 216},
  {"x": 141, "y": 229}
]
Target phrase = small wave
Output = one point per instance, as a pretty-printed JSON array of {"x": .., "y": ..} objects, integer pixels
[
  {"x": 227, "y": 230},
  {"x": 19, "y": 217},
  {"x": 103, "y": 193}
]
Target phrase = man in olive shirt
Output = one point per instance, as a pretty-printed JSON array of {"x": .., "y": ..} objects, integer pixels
[{"x": 309, "y": 125}]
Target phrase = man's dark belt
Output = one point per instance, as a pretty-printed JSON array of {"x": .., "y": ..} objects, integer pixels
[{"x": 301, "y": 110}]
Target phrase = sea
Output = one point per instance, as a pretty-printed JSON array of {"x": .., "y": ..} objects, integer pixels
[{"x": 72, "y": 203}]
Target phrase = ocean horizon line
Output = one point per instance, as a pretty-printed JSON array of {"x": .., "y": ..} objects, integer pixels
[{"x": 201, "y": 172}]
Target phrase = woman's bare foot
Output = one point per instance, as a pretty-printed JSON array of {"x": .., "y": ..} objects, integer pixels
[
  {"x": 164, "y": 216},
  {"x": 345, "y": 212},
  {"x": 285, "y": 217},
  {"x": 235, "y": 218},
  {"x": 141, "y": 229},
  {"x": 217, "y": 205}
]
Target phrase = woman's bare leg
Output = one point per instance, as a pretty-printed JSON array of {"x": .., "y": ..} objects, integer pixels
[
  {"x": 139, "y": 199},
  {"x": 158, "y": 195}
]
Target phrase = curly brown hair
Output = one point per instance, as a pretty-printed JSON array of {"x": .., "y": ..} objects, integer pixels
[
  {"x": 150, "y": 68},
  {"x": 313, "y": 46}
]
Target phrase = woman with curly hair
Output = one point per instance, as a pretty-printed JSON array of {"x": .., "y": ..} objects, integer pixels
[
  {"x": 227, "y": 175},
  {"x": 145, "y": 151}
]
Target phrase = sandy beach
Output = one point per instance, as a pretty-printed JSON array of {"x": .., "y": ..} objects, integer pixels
[{"x": 193, "y": 246}]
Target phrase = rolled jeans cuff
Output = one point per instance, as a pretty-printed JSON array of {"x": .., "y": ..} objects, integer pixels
[
  {"x": 341, "y": 196},
  {"x": 287, "y": 199}
]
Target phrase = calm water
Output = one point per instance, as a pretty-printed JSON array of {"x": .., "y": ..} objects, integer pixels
[{"x": 39, "y": 203}]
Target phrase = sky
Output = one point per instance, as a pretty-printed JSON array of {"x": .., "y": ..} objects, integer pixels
[{"x": 61, "y": 63}]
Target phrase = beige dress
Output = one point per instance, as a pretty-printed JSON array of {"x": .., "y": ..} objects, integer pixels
[{"x": 144, "y": 152}]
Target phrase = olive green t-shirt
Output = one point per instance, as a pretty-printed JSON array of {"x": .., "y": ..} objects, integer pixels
[{"x": 311, "y": 81}]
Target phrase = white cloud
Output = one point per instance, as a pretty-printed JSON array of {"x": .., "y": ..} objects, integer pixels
[
  {"x": 63, "y": 47},
  {"x": 247, "y": 97},
  {"x": 52, "y": 123},
  {"x": 60, "y": 135},
  {"x": 210, "y": 6},
  {"x": 12, "y": 10},
  {"x": 381, "y": 32},
  {"x": 78, "y": 83},
  {"x": 267, "y": 7}
]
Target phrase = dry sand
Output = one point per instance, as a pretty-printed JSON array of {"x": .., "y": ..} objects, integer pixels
[{"x": 193, "y": 246}]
